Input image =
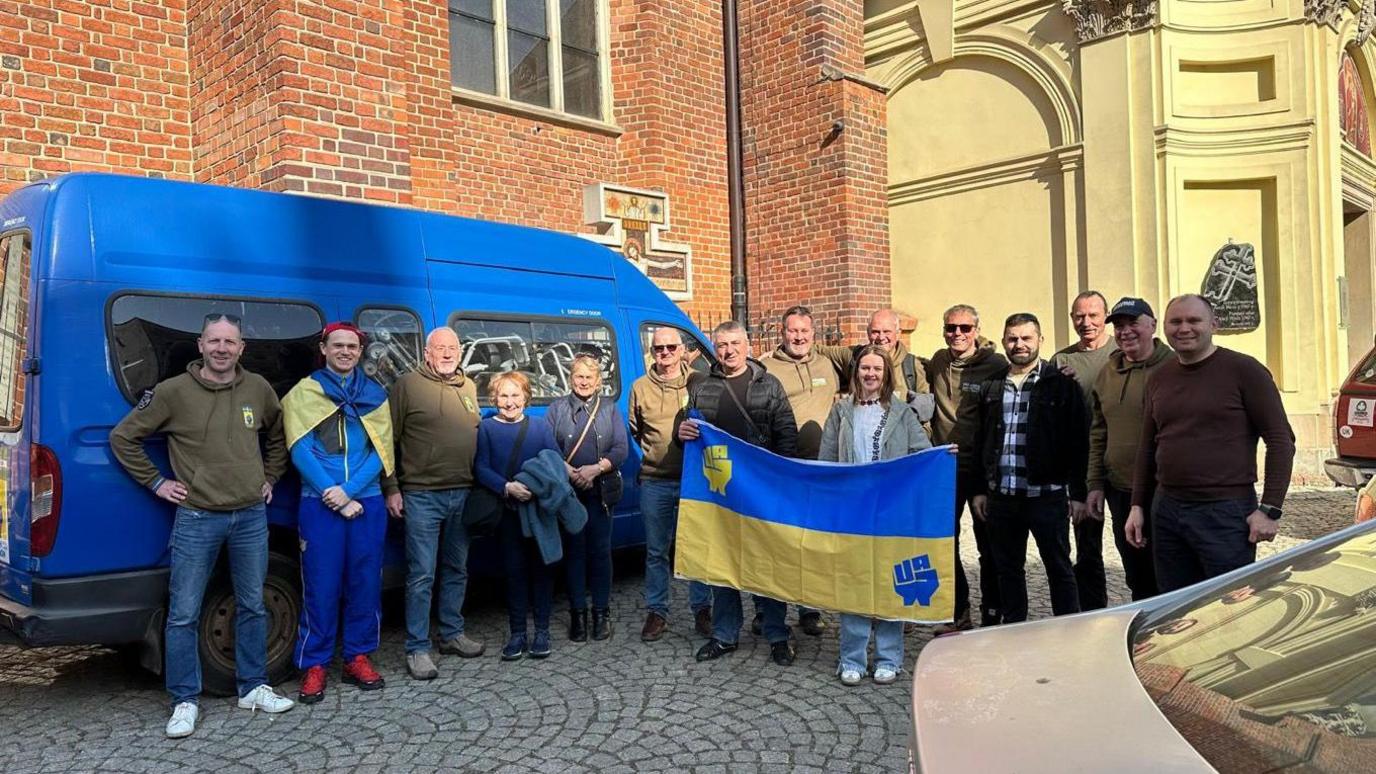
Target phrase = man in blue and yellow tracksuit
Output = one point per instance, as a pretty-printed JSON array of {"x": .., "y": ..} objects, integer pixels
[{"x": 338, "y": 427}]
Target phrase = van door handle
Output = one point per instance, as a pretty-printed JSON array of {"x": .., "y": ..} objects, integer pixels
[{"x": 32, "y": 365}]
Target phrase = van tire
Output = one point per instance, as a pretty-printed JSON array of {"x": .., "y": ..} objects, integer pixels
[{"x": 281, "y": 597}]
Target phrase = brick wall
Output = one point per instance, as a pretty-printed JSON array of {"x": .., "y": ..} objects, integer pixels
[
  {"x": 93, "y": 85},
  {"x": 816, "y": 198}
]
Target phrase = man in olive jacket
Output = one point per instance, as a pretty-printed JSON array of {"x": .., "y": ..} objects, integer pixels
[
  {"x": 1116, "y": 431},
  {"x": 214, "y": 416},
  {"x": 909, "y": 370},
  {"x": 739, "y": 396},
  {"x": 955, "y": 374},
  {"x": 435, "y": 427}
]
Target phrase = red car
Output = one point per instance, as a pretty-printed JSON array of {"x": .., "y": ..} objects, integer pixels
[{"x": 1354, "y": 431}]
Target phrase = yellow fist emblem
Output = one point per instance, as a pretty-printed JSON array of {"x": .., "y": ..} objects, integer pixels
[{"x": 716, "y": 466}]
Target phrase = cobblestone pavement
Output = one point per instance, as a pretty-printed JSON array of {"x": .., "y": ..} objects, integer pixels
[{"x": 615, "y": 706}]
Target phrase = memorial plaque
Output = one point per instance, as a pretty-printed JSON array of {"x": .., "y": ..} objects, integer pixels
[{"x": 1231, "y": 286}]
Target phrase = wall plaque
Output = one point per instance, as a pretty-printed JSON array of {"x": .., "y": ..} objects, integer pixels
[
  {"x": 1231, "y": 286},
  {"x": 632, "y": 221}
]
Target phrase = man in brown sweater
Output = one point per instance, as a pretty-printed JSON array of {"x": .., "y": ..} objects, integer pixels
[
  {"x": 1202, "y": 416},
  {"x": 1116, "y": 431},
  {"x": 955, "y": 374},
  {"x": 435, "y": 424}
]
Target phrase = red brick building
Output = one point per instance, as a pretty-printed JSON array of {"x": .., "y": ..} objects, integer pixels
[{"x": 603, "y": 117}]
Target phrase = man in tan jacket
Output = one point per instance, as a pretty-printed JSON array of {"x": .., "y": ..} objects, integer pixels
[
  {"x": 811, "y": 383},
  {"x": 908, "y": 369},
  {"x": 656, "y": 407},
  {"x": 1116, "y": 431}
]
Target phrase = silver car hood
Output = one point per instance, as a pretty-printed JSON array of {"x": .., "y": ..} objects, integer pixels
[{"x": 1058, "y": 695}]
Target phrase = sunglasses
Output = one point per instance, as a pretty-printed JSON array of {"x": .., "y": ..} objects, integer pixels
[
  {"x": 665, "y": 347},
  {"x": 218, "y": 316},
  {"x": 962, "y": 327}
]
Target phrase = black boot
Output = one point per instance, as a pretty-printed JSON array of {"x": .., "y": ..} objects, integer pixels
[
  {"x": 601, "y": 623},
  {"x": 578, "y": 625}
]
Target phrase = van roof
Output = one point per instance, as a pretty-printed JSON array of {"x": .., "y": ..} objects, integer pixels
[{"x": 151, "y": 224}]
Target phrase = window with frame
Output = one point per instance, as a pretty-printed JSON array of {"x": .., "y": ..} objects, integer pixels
[
  {"x": 153, "y": 337},
  {"x": 395, "y": 342},
  {"x": 697, "y": 355},
  {"x": 546, "y": 53},
  {"x": 542, "y": 349},
  {"x": 15, "y": 254}
]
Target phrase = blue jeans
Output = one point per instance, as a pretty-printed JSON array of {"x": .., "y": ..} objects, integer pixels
[
  {"x": 659, "y": 510},
  {"x": 727, "y": 616},
  {"x": 195, "y": 546},
  {"x": 855, "y": 643},
  {"x": 434, "y": 530},
  {"x": 588, "y": 555}
]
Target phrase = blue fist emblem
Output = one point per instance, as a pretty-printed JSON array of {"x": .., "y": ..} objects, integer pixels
[{"x": 915, "y": 581}]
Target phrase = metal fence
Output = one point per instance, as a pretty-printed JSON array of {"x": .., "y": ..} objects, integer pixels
[{"x": 766, "y": 328}]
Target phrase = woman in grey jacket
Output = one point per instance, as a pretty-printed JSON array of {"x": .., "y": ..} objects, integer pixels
[
  {"x": 591, "y": 432},
  {"x": 867, "y": 426}
]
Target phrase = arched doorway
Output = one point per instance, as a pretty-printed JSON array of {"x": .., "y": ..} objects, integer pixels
[{"x": 1358, "y": 305}]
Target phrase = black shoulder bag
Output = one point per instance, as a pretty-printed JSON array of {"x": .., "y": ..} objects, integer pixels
[{"x": 482, "y": 512}]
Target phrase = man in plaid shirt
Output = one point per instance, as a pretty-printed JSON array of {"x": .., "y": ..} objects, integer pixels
[{"x": 1033, "y": 447}]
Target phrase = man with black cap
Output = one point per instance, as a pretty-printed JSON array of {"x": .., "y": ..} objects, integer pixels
[{"x": 1115, "y": 404}]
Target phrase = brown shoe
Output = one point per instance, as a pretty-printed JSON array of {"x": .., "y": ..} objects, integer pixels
[
  {"x": 654, "y": 627},
  {"x": 702, "y": 622},
  {"x": 961, "y": 624}
]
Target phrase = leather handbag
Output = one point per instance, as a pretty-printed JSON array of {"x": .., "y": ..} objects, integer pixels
[{"x": 482, "y": 511}]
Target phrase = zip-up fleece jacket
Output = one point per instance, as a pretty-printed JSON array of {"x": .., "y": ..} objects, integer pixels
[
  {"x": 955, "y": 385},
  {"x": 771, "y": 418},
  {"x": 434, "y": 430},
  {"x": 213, "y": 433},
  {"x": 903, "y": 434},
  {"x": 811, "y": 385},
  {"x": 1116, "y": 407},
  {"x": 1057, "y": 442},
  {"x": 657, "y": 405}
]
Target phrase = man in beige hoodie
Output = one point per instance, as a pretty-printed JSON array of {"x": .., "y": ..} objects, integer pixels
[
  {"x": 811, "y": 383},
  {"x": 656, "y": 407}
]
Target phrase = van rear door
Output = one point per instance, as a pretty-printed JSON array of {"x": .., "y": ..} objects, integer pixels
[{"x": 24, "y": 531}]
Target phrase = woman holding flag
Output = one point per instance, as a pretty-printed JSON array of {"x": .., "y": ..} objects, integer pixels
[{"x": 866, "y": 426}]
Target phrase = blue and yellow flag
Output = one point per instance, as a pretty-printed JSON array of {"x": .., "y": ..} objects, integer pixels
[{"x": 875, "y": 540}]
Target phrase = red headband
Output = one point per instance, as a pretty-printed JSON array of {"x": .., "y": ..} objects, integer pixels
[{"x": 344, "y": 326}]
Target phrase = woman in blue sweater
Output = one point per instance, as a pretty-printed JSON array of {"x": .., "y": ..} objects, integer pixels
[{"x": 505, "y": 442}]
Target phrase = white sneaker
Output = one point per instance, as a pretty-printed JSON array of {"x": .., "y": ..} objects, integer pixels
[
  {"x": 183, "y": 721},
  {"x": 884, "y": 676},
  {"x": 850, "y": 677},
  {"x": 265, "y": 699}
]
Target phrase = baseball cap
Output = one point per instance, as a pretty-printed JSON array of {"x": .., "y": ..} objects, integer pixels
[{"x": 1132, "y": 308}]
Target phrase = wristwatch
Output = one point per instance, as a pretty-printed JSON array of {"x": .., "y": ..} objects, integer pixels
[{"x": 1271, "y": 511}]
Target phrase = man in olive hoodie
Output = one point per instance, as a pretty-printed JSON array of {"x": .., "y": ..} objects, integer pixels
[
  {"x": 1116, "y": 431},
  {"x": 214, "y": 417},
  {"x": 435, "y": 431},
  {"x": 908, "y": 369},
  {"x": 955, "y": 374},
  {"x": 657, "y": 404}
]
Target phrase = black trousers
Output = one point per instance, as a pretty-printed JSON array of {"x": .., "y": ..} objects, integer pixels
[
  {"x": 1198, "y": 540},
  {"x": 1011, "y": 519},
  {"x": 1138, "y": 567},
  {"x": 989, "y": 605},
  {"x": 1089, "y": 564}
]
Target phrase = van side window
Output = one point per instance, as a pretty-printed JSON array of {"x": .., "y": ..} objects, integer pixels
[
  {"x": 14, "y": 327},
  {"x": 394, "y": 342},
  {"x": 153, "y": 337},
  {"x": 697, "y": 355},
  {"x": 542, "y": 349}
]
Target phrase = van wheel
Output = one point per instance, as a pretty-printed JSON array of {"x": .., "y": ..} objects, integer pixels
[{"x": 281, "y": 597}]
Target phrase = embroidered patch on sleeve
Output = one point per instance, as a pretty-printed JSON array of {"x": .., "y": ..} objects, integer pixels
[{"x": 145, "y": 400}]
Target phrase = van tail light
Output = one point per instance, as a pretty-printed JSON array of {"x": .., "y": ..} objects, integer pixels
[{"x": 45, "y": 497}]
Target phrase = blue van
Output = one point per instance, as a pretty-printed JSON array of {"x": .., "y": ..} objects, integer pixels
[{"x": 104, "y": 282}]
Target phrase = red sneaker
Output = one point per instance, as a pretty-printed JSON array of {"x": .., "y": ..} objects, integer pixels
[
  {"x": 359, "y": 671},
  {"x": 313, "y": 685}
]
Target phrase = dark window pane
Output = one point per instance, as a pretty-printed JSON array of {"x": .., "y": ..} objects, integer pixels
[
  {"x": 155, "y": 337},
  {"x": 480, "y": 8},
  {"x": 394, "y": 343},
  {"x": 471, "y": 62},
  {"x": 697, "y": 355},
  {"x": 529, "y": 57},
  {"x": 578, "y": 21},
  {"x": 14, "y": 317},
  {"x": 557, "y": 344},
  {"x": 526, "y": 16},
  {"x": 542, "y": 351},
  {"x": 581, "y": 82}
]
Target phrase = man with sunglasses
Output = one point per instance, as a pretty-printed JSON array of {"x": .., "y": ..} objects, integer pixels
[
  {"x": 955, "y": 374},
  {"x": 656, "y": 406},
  {"x": 224, "y": 438},
  {"x": 1084, "y": 360}
]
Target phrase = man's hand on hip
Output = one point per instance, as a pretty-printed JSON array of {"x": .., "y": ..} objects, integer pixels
[{"x": 172, "y": 491}]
